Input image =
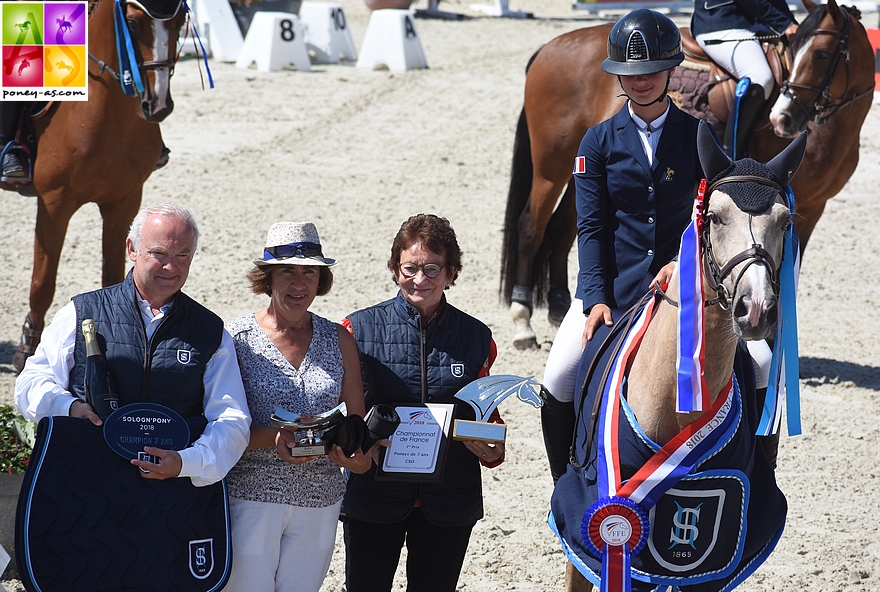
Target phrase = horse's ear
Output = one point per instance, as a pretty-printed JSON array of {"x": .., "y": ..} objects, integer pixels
[
  {"x": 786, "y": 163},
  {"x": 808, "y": 5},
  {"x": 712, "y": 157},
  {"x": 833, "y": 10}
]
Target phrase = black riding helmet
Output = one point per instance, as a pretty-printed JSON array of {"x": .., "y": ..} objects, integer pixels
[{"x": 643, "y": 42}]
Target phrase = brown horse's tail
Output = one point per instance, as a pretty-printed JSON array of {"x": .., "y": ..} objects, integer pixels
[{"x": 517, "y": 200}]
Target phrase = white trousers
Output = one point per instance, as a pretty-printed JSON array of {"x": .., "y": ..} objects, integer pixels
[
  {"x": 560, "y": 373},
  {"x": 740, "y": 58},
  {"x": 277, "y": 547}
]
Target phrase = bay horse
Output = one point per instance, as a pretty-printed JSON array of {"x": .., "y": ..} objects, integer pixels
[
  {"x": 828, "y": 92},
  {"x": 101, "y": 150},
  {"x": 699, "y": 480}
]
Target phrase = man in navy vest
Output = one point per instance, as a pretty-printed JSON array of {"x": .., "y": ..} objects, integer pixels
[{"x": 161, "y": 347}]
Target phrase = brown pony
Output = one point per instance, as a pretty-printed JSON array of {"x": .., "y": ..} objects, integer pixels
[
  {"x": 101, "y": 150},
  {"x": 829, "y": 93}
]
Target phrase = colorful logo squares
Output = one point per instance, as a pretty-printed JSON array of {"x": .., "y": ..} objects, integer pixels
[{"x": 44, "y": 46}]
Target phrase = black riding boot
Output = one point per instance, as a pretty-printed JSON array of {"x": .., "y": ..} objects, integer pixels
[
  {"x": 13, "y": 169},
  {"x": 770, "y": 443},
  {"x": 557, "y": 423},
  {"x": 742, "y": 121}
]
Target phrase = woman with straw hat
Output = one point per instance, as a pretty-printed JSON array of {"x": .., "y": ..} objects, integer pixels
[{"x": 285, "y": 508}]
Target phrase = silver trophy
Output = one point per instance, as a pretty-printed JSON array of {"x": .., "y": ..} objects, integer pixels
[
  {"x": 484, "y": 395},
  {"x": 310, "y": 444}
]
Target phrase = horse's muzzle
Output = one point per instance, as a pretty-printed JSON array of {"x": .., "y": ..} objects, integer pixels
[
  {"x": 755, "y": 319},
  {"x": 156, "y": 110}
]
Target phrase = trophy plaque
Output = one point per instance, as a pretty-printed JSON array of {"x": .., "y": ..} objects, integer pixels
[
  {"x": 309, "y": 443},
  {"x": 484, "y": 395},
  {"x": 131, "y": 427}
]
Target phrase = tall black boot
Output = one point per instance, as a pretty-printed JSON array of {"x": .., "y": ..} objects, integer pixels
[
  {"x": 742, "y": 121},
  {"x": 557, "y": 423},
  {"x": 770, "y": 443}
]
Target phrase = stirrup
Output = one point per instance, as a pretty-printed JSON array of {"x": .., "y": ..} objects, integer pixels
[
  {"x": 30, "y": 339},
  {"x": 28, "y": 165}
]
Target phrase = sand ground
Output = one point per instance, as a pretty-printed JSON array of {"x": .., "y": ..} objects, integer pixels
[{"x": 357, "y": 152}]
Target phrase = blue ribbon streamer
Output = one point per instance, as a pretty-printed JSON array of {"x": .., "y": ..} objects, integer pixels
[
  {"x": 129, "y": 78},
  {"x": 688, "y": 327},
  {"x": 785, "y": 348},
  {"x": 199, "y": 39}
]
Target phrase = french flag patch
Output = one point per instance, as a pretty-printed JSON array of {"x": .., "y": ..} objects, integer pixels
[{"x": 580, "y": 165}]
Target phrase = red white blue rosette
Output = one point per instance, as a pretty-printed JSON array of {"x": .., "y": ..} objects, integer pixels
[
  {"x": 615, "y": 528},
  {"x": 615, "y": 521}
]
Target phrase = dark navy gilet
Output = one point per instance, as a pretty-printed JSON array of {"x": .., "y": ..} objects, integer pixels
[
  {"x": 456, "y": 346},
  {"x": 167, "y": 369}
]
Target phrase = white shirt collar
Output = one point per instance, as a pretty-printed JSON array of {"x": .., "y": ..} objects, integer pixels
[{"x": 151, "y": 322}]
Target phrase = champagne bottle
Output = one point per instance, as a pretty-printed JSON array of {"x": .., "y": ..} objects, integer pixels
[{"x": 98, "y": 382}]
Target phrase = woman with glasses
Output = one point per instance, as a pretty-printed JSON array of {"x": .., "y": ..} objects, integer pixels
[
  {"x": 284, "y": 508},
  {"x": 417, "y": 348}
]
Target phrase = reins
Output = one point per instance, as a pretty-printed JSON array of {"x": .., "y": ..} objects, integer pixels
[{"x": 624, "y": 323}]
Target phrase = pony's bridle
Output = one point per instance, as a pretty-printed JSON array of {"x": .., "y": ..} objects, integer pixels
[
  {"x": 823, "y": 108},
  {"x": 754, "y": 255},
  {"x": 148, "y": 65}
]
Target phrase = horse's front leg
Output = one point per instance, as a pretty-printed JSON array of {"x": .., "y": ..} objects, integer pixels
[
  {"x": 116, "y": 217},
  {"x": 532, "y": 226},
  {"x": 575, "y": 581},
  {"x": 53, "y": 218}
]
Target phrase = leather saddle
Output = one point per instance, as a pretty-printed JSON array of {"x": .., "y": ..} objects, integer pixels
[{"x": 722, "y": 84}]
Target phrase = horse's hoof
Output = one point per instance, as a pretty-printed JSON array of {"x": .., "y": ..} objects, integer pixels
[
  {"x": 558, "y": 301},
  {"x": 526, "y": 343},
  {"x": 30, "y": 339},
  {"x": 19, "y": 359}
]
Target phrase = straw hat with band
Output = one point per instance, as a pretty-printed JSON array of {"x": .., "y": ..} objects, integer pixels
[{"x": 293, "y": 243}]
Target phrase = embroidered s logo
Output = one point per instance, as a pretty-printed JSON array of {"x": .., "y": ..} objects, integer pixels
[
  {"x": 201, "y": 558},
  {"x": 457, "y": 370},
  {"x": 184, "y": 356}
]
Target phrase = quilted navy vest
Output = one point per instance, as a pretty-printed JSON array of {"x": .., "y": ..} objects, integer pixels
[
  {"x": 167, "y": 369},
  {"x": 456, "y": 345}
]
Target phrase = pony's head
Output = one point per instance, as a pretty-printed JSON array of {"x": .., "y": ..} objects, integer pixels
[
  {"x": 746, "y": 215},
  {"x": 155, "y": 27},
  {"x": 831, "y": 68}
]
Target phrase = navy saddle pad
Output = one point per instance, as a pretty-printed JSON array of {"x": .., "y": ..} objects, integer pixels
[{"x": 88, "y": 521}]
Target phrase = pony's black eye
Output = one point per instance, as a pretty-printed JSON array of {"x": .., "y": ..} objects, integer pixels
[
  {"x": 713, "y": 218},
  {"x": 822, "y": 55}
]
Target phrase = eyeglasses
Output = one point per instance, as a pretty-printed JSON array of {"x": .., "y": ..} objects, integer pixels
[
  {"x": 293, "y": 250},
  {"x": 431, "y": 270}
]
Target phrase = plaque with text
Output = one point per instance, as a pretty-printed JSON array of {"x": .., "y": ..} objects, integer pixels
[
  {"x": 131, "y": 427},
  {"x": 418, "y": 446}
]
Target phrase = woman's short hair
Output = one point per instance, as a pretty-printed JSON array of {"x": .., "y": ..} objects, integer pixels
[
  {"x": 434, "y": 234},
  {"x": 260, "y": 278}
]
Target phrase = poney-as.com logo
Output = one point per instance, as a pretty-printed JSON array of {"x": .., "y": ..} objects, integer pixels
[{"x": 45, "y": 55}]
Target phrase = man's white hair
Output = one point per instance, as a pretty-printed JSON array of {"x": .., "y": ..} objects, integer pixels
[{"x": 136, "y": 232}]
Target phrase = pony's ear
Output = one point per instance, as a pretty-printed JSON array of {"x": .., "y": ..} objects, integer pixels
[
  {"x": 712, "y": 157},
  {"x": 787, "y": 162}
]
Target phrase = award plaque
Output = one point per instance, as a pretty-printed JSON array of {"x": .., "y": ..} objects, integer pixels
[
  {"x": 418, "y": 445},
  {"x": 131, "y": 427},
  {"x": 308, "y": 444},
  {"x": 484, "y": 395}
]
